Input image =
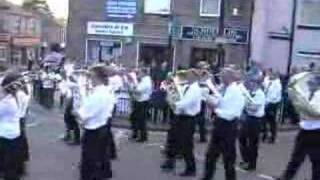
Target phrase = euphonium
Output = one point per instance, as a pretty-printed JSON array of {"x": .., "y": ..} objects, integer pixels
[{"x": 304, "y": 92}]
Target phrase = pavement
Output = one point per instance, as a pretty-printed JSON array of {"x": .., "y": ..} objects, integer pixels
[{"x": 51, "y": 159}]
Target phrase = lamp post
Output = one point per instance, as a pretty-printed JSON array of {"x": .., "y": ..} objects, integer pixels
[{"x": 170, "y": 34}]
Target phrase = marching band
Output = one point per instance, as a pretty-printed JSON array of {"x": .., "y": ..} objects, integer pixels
[{"x": 244, "y": 107}]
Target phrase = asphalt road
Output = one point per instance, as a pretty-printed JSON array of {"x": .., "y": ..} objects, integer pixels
[{"x": 51, "y": 159}]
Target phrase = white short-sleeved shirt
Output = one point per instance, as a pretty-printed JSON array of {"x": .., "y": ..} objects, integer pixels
[
  {"x": 9, "y": 118},
  {"x": 190, "y": 102},
  {"x": 144, "y": 87},
  {"x": 97, "y": 108},
  {"x": 23, "y": 103}
]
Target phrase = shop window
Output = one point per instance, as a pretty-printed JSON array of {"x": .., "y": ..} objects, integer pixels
[
  {"x": 157, "y": 6},
  {"x": 210, "y": 8},
  {"x": 103, "y": 51},
  {"x": 309, "y": 13},
  {"x": 3, "y": 54}
]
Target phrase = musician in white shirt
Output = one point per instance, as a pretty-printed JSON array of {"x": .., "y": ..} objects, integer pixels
[
  {"x": 307, "y": 141},
  {"x": 94, "y": 114},
  {"x": 186, "y": 110},
  {"x": 23, "y": 97},
  {"x": 10, "y": 131},
  {"x": 250, "y": 126},
  {"x": 142, "y": 91},
  {"x": 273, "y": 91},
  {"x": 228, "y": 107}
]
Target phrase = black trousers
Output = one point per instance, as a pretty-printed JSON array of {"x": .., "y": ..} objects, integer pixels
[
  {"x": 11, "y": 158},
  {"x": 270, "y": 122},
  {"x": 181, "y": 141},
  {"x": 111, "y": 143},
  {"x": 249, "y": 137},
  {"x": 139, "y": 120},
  {"x": 24, "y": 141},
  {"x": 201, "y": 123},
  {"x": 94, "y": 156},
  {"x": 71, "y": 123},
  {"x": 306, "y": 144},
  {"x": 47, "y": 97},
  {"x": 223, "y": 142}
]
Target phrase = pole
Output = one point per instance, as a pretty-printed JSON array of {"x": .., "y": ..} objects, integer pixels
[
  {"x": 221, "y": 19},
  {"x": 250, "y": 33},
  {"x": 292, "y": 36}
]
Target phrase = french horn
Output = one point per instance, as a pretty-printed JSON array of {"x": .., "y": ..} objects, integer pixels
[{"x": 304, "y": 92}]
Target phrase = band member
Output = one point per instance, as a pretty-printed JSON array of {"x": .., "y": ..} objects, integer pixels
[
  {"x": 95, "y": 112},
  {"x": 228, "y": 107},
  {"x": 307, "y": 141},
  {"x": 72, "y": 136},
  {"x": 115, "y": 83},
  {"x": 142, "y": 92},
  {"x": 186, "y": 109},
  {"x": 48, "y": 78},
  {"x": 10, "y": 131},
  {"x": 23, "y": 98},
  {"x": 251, "y": 124},
  {"x": 201, "y": 119},
  {"x": 273, "y": 91}
]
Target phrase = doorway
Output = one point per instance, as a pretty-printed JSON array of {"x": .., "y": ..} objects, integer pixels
[{"x": 203, "y": 54}]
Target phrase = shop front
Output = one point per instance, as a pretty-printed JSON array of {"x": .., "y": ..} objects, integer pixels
[
  {"x": 154, "y": 54},
  {"x": 4, "y": 47},
  {"x": 23, "y": 48},
  {"x": 105, "y": 41}
]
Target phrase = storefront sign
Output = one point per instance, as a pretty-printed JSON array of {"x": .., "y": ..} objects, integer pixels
[
  {"x": 121, "y": 8},
  {"x": 110, "y": 28},
  {"x": 4, "y": 37},
  {"x": 236, "y": 36},
  {"x": 199, "y": 33},
  {"x": 26, "y": 41}
]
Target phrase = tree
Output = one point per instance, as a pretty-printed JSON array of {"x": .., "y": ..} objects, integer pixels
[{"x": 37, "y": 5}]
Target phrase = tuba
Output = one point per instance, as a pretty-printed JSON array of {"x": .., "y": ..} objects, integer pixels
[{"x": 304, "y": 92}]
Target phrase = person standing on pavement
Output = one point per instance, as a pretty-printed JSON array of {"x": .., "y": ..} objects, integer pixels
[
  {"x": 273, "y": 90},
  {"x": 228, "y": 107},
  {"x": 250, "y": 126},
  {"x": 186, "y": 110},
  {"x": 142, "y": 92},
  {"x": 94, "y": 114},
  {"x": 307, "y": 141},
  {"x": 10, "y": 131},
  {"x": 23, "y": 98}
]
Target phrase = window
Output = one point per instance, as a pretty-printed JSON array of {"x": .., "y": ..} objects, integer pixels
[
  {"x": 210, "y": 8},
  {"x": 3, "y": 54},
  {"x": 310, "y": 13},
  {"x": 157, "y": 6}
]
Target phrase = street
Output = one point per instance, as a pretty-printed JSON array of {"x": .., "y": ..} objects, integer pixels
[{"x": 51, "y": 159}]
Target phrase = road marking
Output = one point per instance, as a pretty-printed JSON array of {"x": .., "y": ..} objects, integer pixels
[{"x": 265, "y": 177}]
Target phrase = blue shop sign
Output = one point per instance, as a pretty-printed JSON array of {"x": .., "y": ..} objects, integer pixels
[
  {"x": 236, "y": 36},
  {"x": 121, "y": 8},
  {"x": 199, "y": 33}
]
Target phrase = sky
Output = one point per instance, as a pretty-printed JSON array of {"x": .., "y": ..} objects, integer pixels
[{"x": 58, "y": 7}]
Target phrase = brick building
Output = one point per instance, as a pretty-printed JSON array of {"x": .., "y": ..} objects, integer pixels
[
  {"x": 19, "y": 34},
  {"x": 183, "y": 32}
]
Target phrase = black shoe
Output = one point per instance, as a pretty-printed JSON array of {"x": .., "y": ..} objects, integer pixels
[
  {"x": 141, "y": 140},
  {"x": 247, "y": 167},
  {"x": 203, "y": 141},
  {"x": 167, "y": 166},
  {"x": 107, "y": 175},
  {"x": 271, "y": 141},
  {"x": 188, "y": 174}
]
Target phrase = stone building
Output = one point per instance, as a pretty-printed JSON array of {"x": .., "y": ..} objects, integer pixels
[
  {"x": 20, "y": 32},
  {"x": 183, "y": 32},
  {"x": 286, "y": 33}
]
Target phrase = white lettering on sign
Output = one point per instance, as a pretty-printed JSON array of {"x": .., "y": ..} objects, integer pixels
[{"x": 110, "y": 28}]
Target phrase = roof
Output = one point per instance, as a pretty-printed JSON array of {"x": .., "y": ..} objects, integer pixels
[{"x": 14, "y": 9}]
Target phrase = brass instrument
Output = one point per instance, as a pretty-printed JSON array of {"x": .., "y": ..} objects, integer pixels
[{"x": 304, "y": 92}]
